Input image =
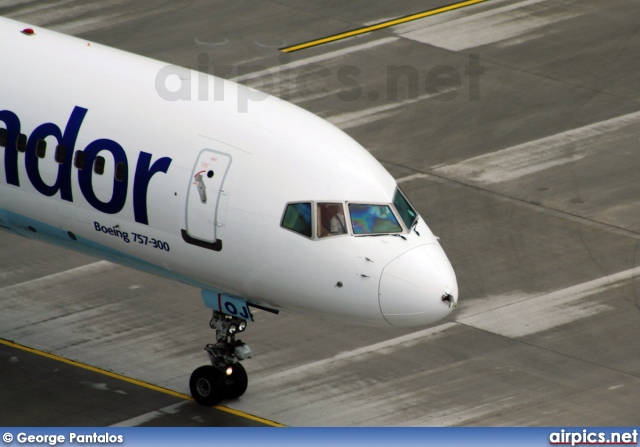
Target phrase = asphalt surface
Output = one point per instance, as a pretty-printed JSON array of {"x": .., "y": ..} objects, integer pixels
[
  {"x": 40, "y": 390},
  {"x": 513, "y": 126}
]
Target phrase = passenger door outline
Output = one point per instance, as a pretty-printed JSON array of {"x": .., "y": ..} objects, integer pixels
[{"x": 203, "y": 212}]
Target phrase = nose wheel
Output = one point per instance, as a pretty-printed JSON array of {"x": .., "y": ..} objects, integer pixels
[
  {"x": 207, "y": 385},
  {"x": 225, "y": 378}
]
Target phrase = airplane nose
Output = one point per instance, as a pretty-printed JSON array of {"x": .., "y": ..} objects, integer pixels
[{"x": 418, "y": 288}]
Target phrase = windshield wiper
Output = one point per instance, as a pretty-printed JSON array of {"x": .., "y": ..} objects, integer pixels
[
  {"x": 381, "y": 234},
  {"x": 415, "y": 224}
]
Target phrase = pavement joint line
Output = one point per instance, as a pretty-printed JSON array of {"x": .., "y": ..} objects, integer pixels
[
  {"x": 548, "y": 349},
  {"x": 140, "y": 383},
  {"x": 560, "y": 214}
]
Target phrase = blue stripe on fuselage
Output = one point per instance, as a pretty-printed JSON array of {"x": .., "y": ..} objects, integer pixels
[{"x": 19, "y": 224}]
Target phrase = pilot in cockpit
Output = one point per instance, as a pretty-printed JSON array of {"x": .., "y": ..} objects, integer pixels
[{"x": 331, "y": 221}]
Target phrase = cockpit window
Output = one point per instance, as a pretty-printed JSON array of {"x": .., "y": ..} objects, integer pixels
[
  {"x": 373, "y": 219},
  {"x": 297, "y": 217},
  {"x": 331, "y": 219},
  {"x": 406, "y": 211}
]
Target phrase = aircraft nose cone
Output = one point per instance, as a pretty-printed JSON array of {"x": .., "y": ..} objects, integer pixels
[{"x": 418, "y": 288}]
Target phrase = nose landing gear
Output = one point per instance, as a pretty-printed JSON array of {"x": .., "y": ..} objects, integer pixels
[{"x": 225, "y": 378}]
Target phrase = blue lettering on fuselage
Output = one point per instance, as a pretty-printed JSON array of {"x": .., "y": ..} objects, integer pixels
[{"x": 144, "y": 171}]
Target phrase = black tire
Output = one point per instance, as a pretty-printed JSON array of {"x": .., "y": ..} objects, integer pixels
[
  {"x": 207, "y": 386},
  {"x": 236, "y": 383}
]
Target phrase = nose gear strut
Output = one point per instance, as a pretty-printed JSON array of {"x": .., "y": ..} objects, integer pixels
[{"x": 225, "y": 378}]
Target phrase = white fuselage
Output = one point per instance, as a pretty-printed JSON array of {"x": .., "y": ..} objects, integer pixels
[{"x": 196, "y": 189}]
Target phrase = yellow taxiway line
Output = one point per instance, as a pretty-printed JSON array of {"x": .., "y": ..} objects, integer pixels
[
  {"x": 133, "y": 381},
  {"x": 381, "y": 25}
]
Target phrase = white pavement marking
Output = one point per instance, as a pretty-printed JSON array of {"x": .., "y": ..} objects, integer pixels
[
  {"x": 534, "y": 156},
  {"x": 69, "y": 17},
  {"x": 147, "y": 417},
  {"x": 473, "y": 29},
  {"x": 359, "y": 117},
  {"x": 314, "y": 59},
  {"x": 74, "y": 17},
  {"x": 542, "y": 312},
  {"x": 377, "y": 348},
  {"x": 411, "y": 177},
  {"x": 61, "y": 276}
]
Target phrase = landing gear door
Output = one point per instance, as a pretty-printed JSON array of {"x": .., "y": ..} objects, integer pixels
[{"x": 204, "y": 195}]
